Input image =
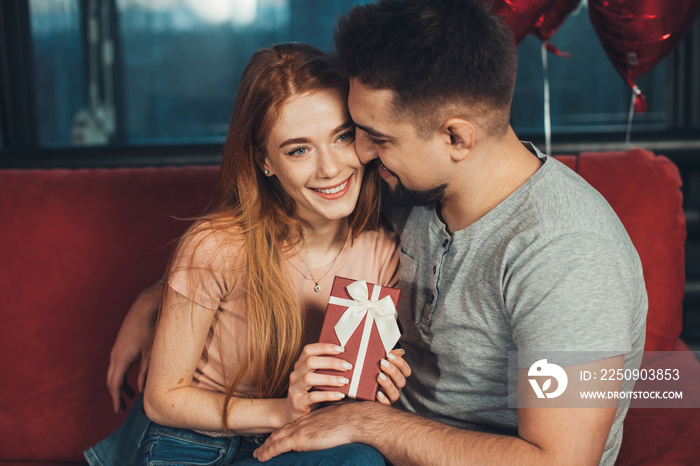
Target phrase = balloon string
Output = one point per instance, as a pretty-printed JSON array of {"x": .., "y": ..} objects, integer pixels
[
  {"x": 629, "y": 117},
  {"x": 547, "y": 116}
]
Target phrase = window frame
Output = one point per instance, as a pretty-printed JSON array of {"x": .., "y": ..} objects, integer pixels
[{"x": 22, "y": 147}]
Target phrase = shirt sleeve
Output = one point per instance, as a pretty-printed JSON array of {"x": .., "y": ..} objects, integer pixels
[
  {"x": 576, "y": 292},
  {"x": 206, "y": 265}
]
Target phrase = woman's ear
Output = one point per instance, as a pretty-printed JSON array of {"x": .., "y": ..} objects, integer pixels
[
  {"x": 462, "y": 134},
  {"x": 263, "y": 165}
]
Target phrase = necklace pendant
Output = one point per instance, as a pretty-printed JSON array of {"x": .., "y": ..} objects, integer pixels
[{"x": 317, "y": 288}]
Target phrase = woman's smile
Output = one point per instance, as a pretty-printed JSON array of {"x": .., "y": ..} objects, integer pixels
[{"x": 334, "y": 192}]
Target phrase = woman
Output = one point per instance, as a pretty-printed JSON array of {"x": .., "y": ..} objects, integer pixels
[{"x": 249, "y": 281}]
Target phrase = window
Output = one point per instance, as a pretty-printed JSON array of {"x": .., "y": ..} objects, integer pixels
[
  {"x": 125, "y": 79},
  {"x": 58, "y": 64},
  {"x": 156, "y": 72},
  {"x": 2, "y": 132},
  {"x": 182, "y": 61}
]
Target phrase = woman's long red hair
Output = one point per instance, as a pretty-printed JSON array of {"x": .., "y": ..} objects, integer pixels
[{"x": 249, "y": 203}]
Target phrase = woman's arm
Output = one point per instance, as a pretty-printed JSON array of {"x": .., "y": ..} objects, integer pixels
[{"x": 169, "y": 398}]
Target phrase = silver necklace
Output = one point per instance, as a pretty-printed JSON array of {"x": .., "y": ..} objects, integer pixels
[{"x": 329, "y": 267}]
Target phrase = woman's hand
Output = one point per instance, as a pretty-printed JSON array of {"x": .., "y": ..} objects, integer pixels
[
  {"x": 393, "y": 377},
  {"x": 300, "y": 401}
]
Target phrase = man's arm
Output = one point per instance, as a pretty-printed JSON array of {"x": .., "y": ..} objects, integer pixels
[
  {"x": 565, "y": 435},
  {"x": 133, "y": 344}
]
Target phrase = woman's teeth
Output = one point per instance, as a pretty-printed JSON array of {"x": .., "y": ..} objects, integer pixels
[{"x": 332, "y": 190}]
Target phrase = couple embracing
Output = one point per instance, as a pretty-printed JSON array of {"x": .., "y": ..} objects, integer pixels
[{"x": 495, "y": 246}]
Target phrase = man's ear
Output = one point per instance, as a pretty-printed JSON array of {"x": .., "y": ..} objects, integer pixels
[{"x": 462, "y": 137}]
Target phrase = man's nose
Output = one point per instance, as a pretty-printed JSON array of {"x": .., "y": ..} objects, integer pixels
[{"x": 365, "y": 150}]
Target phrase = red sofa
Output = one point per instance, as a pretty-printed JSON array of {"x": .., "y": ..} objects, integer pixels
[{"x": 76, "y": 246}]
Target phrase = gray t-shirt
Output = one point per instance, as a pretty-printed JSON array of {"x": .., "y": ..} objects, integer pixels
[{"x": 550, "y": 268}]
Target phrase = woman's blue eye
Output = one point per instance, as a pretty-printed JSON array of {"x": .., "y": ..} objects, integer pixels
[{"x": 298, "y": 151}]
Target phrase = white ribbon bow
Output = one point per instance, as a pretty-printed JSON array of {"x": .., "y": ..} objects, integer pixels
[{"x": 382, "y": 311}]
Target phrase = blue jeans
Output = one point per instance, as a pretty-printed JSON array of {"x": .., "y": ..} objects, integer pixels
[
  {"x": 142, "y": 442},
  {"x": 169, "y": 446},
  {"x": 122, "y": 446}
]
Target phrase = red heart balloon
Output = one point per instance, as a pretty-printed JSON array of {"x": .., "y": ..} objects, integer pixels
[
  {"x": 637, "y": 34},
  {"x": 550, "y": 20},
  {"x": 541, "y": 18}
]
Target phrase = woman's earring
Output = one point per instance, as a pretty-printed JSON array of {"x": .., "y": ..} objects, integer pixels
[{"x": 267, "y": 172}]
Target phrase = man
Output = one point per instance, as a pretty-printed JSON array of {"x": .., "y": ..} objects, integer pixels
[{"x": 507, "y": 250}]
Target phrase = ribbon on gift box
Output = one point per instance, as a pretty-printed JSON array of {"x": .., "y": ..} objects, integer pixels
[{"x": 381, "y": 312}]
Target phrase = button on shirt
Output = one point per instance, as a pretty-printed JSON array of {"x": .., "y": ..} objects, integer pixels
[{"x": 449, "y": 335}]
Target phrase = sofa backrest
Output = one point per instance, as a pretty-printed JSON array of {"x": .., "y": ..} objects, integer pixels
[
  {"x": 644, "y": 191},
  {"x": 76, "y": 246}
]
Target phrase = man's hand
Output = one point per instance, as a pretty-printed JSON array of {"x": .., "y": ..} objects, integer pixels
[
  {"x": 324, "y": 428},
  {"x": 133, "y": 344},
  {"x": 546, "y": 435}
]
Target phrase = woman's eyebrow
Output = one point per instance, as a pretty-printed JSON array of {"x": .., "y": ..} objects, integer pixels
[
  {"x": 294, "y": 141},
  {"x": 343, "y": 127},
  {"x": 340, "y": 128}
]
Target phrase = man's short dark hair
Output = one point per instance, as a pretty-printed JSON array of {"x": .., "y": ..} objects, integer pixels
[{"x": 441, "y": 58}]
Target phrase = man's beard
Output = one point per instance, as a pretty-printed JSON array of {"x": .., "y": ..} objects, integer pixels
[{"x": 404, "y": 197}]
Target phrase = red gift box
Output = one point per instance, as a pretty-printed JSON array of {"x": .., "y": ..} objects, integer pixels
[{"x": 359, "y": 318}]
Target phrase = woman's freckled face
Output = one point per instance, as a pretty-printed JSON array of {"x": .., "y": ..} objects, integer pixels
[{"x": 311, "y": 151}]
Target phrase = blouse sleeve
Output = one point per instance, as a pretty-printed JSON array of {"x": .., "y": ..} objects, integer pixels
[{"x": 206, "y": 265}]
